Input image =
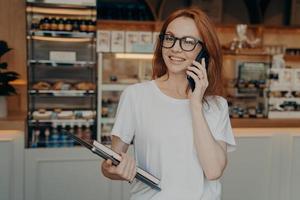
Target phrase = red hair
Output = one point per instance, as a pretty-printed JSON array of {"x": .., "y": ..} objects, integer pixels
[{"x": 211, "y": 43}]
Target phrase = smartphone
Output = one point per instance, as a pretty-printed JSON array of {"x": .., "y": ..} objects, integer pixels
[{"x": 203, "y": 54}]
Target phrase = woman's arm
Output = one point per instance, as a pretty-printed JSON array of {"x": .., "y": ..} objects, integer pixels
[
  {"x": 211, "y": 153},
  {"x": 118, "y": 145},
  {"x": 126, "y": 170}
]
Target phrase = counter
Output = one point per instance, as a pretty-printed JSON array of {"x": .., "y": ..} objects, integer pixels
[
  {"x": 266, "y": 160},
  {"x": 17, "y": 121},
  {"x": 11, "y": 165}
]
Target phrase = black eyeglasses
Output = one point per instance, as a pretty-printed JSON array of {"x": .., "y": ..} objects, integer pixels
[{"x": 187, "y": 43}]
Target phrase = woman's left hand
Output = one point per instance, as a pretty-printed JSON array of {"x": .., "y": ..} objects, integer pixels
[{"x": 201, "y": 81}]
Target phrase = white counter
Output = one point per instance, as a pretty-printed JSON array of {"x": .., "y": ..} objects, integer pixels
[
  {"x": 11, "y": 165},
  {"x": 265, "y": 166}
]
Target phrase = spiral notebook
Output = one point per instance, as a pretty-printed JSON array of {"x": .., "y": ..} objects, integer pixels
[{"x": 106, "y": 153}]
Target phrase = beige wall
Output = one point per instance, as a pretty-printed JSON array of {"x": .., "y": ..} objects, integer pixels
[{"x": 12, "y": 30}]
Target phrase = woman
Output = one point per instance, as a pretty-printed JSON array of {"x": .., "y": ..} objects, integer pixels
[{"x": 181, "y": 137}]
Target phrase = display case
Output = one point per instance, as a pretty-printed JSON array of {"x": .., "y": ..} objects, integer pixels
[
  {"x": 284, "y": 94},
  {"x": 247, "y": 86},
  {"x": 117, "y": 71},
  {"x": 125, "y": 52},
  {"x": 62, "y": 74}
]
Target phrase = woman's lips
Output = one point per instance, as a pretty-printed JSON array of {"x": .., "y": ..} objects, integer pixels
[{"x": 176, "y": 59}]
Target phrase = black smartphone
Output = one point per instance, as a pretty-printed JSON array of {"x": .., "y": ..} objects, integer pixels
[{"x": 203, "y": 54}]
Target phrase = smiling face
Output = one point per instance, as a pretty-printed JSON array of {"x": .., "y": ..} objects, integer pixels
[{"x": 176, "y": 59}]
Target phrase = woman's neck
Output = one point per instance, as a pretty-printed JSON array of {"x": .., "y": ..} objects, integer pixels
[{"x": 173, "y": 85}]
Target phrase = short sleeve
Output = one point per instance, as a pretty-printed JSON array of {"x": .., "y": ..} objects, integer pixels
[
  {"x": 124, "y": 126},
  {"x": 223, "y": 130}
]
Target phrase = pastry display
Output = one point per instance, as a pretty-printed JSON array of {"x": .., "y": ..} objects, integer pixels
[
  {"x": 41, "y": 86},
  {"x": 65, "y": 115},
  {"x": 42, "y": 114},
  {"x": 88, "y": 114},
  {"x": 60, "y": 85},
  {"x": 62, "y": 75},
  {"x": 84, "y": 86}
]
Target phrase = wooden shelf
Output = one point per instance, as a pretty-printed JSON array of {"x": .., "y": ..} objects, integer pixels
[
  {"x": 259, "y": 57},
  {"x": 265, "y": 123},
  {"x": 273, "y": 29},
  {"x": 258, "y": 30},
  {"x": 292, "y": 58},
  {"x": 128, "y": 25}
]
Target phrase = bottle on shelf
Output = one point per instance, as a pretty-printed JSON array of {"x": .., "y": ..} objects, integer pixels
[
  {"x": 68, "y": 25},
  {"x": 45, "y": 23},
  {"x": 54, "y": 137},
  {"x": 53, "y": 24},
  {"x": 34, "y": 137},
  {"x": 64, "y": 136},
  {"x": 91, "y": 25},
  {"x": 75, "y": 25},
  {"x": 47, "y": 135},
  {"x": 61, "y": 24},
  {"x": 87, "y": 135},
  {"x": 70, "y": 130},
  {"x": 83, "y": 26}
]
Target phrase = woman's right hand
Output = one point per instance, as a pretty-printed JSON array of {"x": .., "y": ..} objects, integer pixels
[{"x": 126, "y": 170}]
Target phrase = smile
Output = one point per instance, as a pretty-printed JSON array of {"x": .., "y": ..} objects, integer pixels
[{"x": 177, "y": 59}]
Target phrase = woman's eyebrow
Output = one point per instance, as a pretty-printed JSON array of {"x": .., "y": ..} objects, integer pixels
[{"x": 169, "y": 32}]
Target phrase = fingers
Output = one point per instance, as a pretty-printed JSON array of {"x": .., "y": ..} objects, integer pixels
[
  {"x": 107, "y": 164},
  {"x": 129, "y": 167},
  {"x": 126, "y": 170},
  {"x": 109, "y": 167},
  {"x": 198, "y": 73},
  {"x": 200, "y": 69},
  {"x": 133, "y": 172},
  {"x": 194, "y": 76}
]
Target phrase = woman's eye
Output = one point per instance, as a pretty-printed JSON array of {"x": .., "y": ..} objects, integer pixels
[
  {"x": 169, "y": 38},
  {"x": 189, "y": 41}
]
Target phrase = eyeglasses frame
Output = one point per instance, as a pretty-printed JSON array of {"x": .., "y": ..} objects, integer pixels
[{"x": 161, "y": 37}]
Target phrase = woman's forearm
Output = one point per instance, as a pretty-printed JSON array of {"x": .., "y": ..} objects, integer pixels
[{"x": 211, "y": 153}]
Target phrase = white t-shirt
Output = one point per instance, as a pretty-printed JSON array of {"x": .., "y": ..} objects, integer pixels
[{"x": 161, "y": 127}]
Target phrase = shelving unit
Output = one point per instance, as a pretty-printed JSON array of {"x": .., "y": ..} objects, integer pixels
[
  {"x": 119, "y": 69},
  {"x": 257, "y": 97},
  {"x": 114, "y": 76},
  {"x": 284, "y": 94},
  {"x": 247, "y": 83},
  {"x": 62, "y": 74}
]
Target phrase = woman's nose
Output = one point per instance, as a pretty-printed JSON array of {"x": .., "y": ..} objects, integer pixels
[{"x": 177, "y": 46}]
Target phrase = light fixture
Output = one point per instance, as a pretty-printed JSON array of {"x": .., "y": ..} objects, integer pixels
[
  {"x": 59, "y": 39},
  {"x": 133, "y": 56}
]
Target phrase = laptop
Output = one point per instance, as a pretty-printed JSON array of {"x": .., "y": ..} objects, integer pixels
[{"x": 106, "y": 153}]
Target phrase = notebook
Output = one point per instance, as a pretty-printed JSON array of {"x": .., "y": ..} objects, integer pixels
[{"x": 106, "y": 153}]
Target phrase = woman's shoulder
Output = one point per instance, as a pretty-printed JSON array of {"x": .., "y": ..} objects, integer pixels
[
  {"x": 216, "y": 103},
  {"x": 138, "y": 88}
]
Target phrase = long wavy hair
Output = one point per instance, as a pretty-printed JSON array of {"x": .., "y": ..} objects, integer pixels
[{"x": 211, "y": 43}]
